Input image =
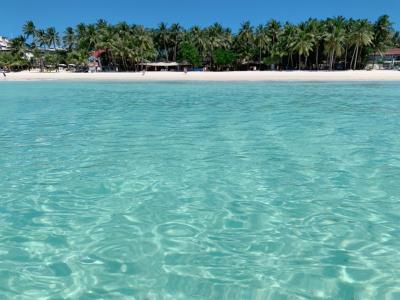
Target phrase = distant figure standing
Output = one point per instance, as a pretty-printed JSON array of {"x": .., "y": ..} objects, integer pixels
[
  {"x": 185, "y": 70},
  {"x": 143, "y": 72}
]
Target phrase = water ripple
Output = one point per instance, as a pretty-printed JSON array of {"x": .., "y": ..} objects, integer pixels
[{"x": 199, "y": 191}]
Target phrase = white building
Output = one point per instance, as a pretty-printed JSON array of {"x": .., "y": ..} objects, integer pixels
[
  {"x": 388, "y": 60},
  {"x": 4, "y": 44}
]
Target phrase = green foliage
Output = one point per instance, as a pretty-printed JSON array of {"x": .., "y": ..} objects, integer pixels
[
  {"x": 383, "y": 34},
  {"x": 224, "y": 58},
  {"x": 396, "y": 39},
  {"x": 52, "y": 59},
  {"x": 188, "y": 52},
  {"x": 310, "y": 45},
  {"x": 77, "y": 57},
  {"x": 12, "y": 61},
  {"x": 244, "y": 43},
  {"x": 271, "y": 60}
]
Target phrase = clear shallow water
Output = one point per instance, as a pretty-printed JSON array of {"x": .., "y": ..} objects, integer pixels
[{"x": 199, "y": 191}]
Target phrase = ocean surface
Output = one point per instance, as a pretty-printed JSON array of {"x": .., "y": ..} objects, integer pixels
[{"x": 199, "y": 191}]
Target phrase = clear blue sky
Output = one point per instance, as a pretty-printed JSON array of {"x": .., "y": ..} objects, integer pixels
[{"x": 63, "y": 13}]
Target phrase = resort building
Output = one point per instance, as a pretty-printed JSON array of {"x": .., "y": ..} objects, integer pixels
[
  {"x": 4, "y": 44},
  {"x": 164, "y": 66},
  {"x": 94, "y": 61},
  {"x": 387, "y": 61}
]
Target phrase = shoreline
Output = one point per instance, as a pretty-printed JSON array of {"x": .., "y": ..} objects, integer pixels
[{"x": 301, "y": 76}]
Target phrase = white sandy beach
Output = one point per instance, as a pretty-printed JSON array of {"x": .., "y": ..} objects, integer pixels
[{"x": 210, "y": 76}]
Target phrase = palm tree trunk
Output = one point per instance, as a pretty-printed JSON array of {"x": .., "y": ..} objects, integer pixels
[
  {"x": 355, "y": 58},
  {"x": 352, "y": 58},
  {"x": 334, "y": 60},
  {"x": 290, "y": 62},
  {"x": 175, "y": 49},
  {"x": 165, "y": 50},
  {"x": 317, "y": 58},
  {"x": 299, "y": 61},
  {"x": 125, "y": 63},
  {"x": 359, "y": 56},
  {"x": 330, "y": 60}
]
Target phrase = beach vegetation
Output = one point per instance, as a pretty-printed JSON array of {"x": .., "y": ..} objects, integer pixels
[{"x": 330, "y": 44}]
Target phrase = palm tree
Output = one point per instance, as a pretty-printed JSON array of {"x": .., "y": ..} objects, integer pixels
[
  {"x": 348, "y": 40},
  {"x": 362, "y": 36},
  {"x": 92, "y": 36},
  {"x": 128, "y": 45},
  {"x": 69, "y": 38},
  {"x": 176, "y": 37},
  {"x": 53, "y": 38},
  {"x": 101, "y": 24},
  {"x": 245, "y": 42},
  {"x": 396, "y": 39},
  {"x": 383, "y": 35},
  {"x": 274, "y": 29},
  {"x": 315, "y": 28},
  {"x": 42, "y": 38},
  {"x": 80, "y": 34},
  {"x": 215, "y": 37},
  {"x": 198, "y": 37},
  {"x": 262, "y": 39},
  {"x": 303, "y": 44},
  {"x": 18, "y": 46},
  {"x": 143, "y": 43},
  {"x": 334, "y": 39},
  {"x": 287, "y": 42},
  {"x": 106, "y": 38},
  {"x": 163, "y": 35},
  {"x": 29, "y": 30}
]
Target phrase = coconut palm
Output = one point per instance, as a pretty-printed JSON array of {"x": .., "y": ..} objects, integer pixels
[
  {"x": 163, "y": 36},
  {"x": 361, "y": 36},
  {"x": 315, "y": 28},
  {"x": 396, "y": 39},
  {"x": 92, "y": 36},
  {"x": 69, "y": 38},
  {"x": 29, "y": 30},
  {"x": 53, "y": 38},
  {"x": 383, "y": 35},
  {"x": 42, "y": 38},
  {"x": 244, "y": 42},
  {"x": 176, "y": 37},
  {"x": 125, "y": 45},
  {"x": 262, "y": 39},
  {"x": 303, "y": 44},
  {"x": 18, "y": 46},
  {"x": 286, "y": 43},
  {"x": 215, "y": 37},
  {"x": 334, "y": 39},
  {"x": 273, "y": 29}
]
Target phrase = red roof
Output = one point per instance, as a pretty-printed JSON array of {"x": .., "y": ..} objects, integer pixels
[
  {"x": 98, "y": 53},
  {"x": 393, "y": 51}
]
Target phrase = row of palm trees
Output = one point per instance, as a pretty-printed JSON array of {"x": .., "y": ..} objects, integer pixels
[{"x": 330, "y": 44}]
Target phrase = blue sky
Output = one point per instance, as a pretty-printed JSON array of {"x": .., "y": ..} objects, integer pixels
[{"x": 63, "y": 13}]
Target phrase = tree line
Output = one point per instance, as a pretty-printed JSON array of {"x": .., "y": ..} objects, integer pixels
[{"x": 333, "y": 43}]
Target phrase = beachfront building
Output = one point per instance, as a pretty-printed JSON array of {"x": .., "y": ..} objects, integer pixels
[
  {"x": 4, "y": 44},
  {"x": 164, "y": 66},
  {"x": 387, "y": 61}
]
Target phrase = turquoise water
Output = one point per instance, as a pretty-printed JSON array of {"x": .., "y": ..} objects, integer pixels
[{"x": 200, "y": 191}]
